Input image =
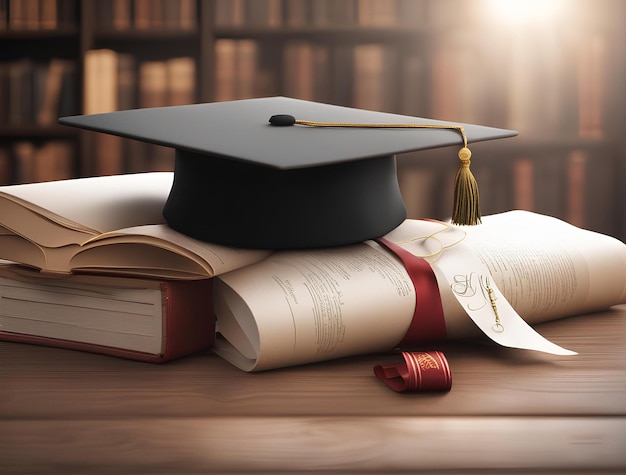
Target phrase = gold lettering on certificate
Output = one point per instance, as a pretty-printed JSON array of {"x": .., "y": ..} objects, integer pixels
[
  {"x": 497, "y": 327},
  {"x": 476, "y": 292}
]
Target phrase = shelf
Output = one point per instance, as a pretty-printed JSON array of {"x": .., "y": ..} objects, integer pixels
[
  {"x": 502, "y": 153},
  {"x": 149, "y": 44},
  {"x": 39, "y": 44},
  {"x": 35, "y": 132},
  {"x": 69, "y": 32},
  {"x": 144, "y": 35},
  {"x": 350, "y": 34}
]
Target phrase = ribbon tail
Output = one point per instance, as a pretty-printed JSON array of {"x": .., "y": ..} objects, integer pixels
[{"x": 421, "y": 371}]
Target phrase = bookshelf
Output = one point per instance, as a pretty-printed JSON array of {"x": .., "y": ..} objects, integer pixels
[
  {"x": 558, "y": 83},
  {"x": 38, "y": 72}
]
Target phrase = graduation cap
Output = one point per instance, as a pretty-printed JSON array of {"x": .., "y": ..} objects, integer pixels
[{"x": 315, "y": 175}]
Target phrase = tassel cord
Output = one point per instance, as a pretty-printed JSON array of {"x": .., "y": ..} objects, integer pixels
[{"x": 466, "y": 209}]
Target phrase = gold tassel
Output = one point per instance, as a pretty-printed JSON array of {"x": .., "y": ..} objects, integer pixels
[
  {"x": 466, "y": 209},
  {"x": 466, "y": 197}
]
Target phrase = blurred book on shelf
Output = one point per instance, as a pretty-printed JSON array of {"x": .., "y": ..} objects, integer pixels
[
  {"x": 319, "y": 13},
  {"x": 36, "y": 93},
  {"x": 120, "y": 81},
  {"x": 149, "y": 15},
  {"x": 37, "y": 14}
]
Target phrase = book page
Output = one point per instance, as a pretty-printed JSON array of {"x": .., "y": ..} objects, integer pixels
[
  {"x": 93, "y": 205},
  {"x": 548, "y": 268},
  {"x": 15, "y": 248},
  {"x": 36, "y": 228},
  {"x": 159, "y": 250},
  {"x": 303, "y": 306}
]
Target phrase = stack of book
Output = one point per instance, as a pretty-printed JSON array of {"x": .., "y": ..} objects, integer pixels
[
  {"x": 98, "y": 271},
  {"x": 92, "y": 270}
]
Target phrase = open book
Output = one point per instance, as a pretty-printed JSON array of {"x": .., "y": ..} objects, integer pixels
[
  {"x": 314, "y": 305},
  {"x": 109, "y": 224}
]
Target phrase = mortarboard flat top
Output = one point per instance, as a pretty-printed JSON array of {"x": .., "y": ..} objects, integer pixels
[{"x": 242, "y": 182}]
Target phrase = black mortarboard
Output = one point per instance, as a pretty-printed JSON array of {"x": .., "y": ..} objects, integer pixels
[{"x": 241, "y": 181}]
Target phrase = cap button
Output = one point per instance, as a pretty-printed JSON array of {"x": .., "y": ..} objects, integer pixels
[{"x": 282, "y": 120}]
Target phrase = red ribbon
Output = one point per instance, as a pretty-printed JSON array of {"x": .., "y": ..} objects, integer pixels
[
  {"x": 428, "y": 322},
  {"x": 421, "y": 371}
]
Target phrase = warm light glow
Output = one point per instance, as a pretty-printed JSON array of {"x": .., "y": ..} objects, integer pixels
[{"x": 525, "y": 11}]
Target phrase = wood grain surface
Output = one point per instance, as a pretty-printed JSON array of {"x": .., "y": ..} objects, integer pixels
[{"x": 509, "y": 411}]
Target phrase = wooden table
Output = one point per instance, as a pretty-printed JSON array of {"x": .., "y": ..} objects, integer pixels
[{"x": 509, "y": 411}]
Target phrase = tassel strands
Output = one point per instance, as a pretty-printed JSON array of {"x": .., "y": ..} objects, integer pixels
[{"x": 466, "y": 197}]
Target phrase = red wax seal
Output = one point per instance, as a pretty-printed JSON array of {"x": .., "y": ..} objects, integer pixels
[{"x": 421, "y": 371}]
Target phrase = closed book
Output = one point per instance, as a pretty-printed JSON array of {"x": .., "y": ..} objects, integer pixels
[{"x": 134, "y": 318}]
